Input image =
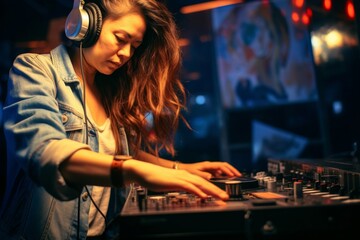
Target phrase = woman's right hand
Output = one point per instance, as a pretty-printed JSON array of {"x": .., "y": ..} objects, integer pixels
[{"x": 161, "y": 179}]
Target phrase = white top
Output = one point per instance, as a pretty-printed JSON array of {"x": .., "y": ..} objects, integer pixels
[{"x": 101, "y": 195}]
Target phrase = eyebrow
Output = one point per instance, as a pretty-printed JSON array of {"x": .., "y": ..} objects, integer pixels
[{"x": 129, "y": 36}]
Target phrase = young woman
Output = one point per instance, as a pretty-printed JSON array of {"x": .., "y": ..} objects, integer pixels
[{"x": 76, "y": 128}]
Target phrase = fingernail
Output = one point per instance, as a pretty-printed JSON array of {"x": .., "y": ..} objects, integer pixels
[{"x": 224, "y": 196}]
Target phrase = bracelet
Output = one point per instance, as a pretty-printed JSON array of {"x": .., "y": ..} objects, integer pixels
[
  {"x": 116, "y": 172},
  {"x": 122, "y": 157},
  {"x": 176, "y": 165}
]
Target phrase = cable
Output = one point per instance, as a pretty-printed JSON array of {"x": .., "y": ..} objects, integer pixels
[
  {"x": 86, "y": 141},
  {"x": 97, "y": 207},
  {"x": 78, "y": 219},
  {"x": 84, "y": 94},
  {"x": 86, "y": 135}
]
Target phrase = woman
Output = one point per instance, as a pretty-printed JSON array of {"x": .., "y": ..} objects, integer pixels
[{"x": 63, "y": 179}]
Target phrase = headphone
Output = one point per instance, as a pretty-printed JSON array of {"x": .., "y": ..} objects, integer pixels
[{"x": 83, "y": 23}]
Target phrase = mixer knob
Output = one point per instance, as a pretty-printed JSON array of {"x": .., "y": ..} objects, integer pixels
[
  {"x": 233, "y": 188},
  {"x": 141, "y": 198},
  {"x": 158, "y": 202}
]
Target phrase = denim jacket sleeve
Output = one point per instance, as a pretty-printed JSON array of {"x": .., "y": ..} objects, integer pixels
[{"x": 35, "y": 133}]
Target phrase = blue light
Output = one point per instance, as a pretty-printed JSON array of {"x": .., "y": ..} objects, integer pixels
[
  {"x": 337, "y": 107},
  {"x": 200, "y": 100}
]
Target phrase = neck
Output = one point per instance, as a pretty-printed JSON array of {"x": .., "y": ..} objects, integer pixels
[{"x": 82, "y": 68}]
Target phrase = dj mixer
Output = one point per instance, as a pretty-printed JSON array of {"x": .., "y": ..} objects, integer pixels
[{"x": 292, "y": 200}]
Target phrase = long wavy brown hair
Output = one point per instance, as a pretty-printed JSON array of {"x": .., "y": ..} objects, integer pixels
[{"x": 149, "y": 83}]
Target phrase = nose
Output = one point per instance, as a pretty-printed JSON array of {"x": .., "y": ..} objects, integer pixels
[{"x": 125, "y": 50}]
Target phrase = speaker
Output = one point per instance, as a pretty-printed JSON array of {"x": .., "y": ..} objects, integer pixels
[{"x": 83, "y": 23}]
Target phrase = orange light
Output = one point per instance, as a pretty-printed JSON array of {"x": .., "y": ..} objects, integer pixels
[
  {"x": 183, "y": 42},
  {"x": 350, "y": 10},
  {"x": 298, "y": 3},
  {"x": 295, "y": 17},
  {"x": 207, "y": 6},
  {"x": 327, "y": 4},
  {"x": 305, "y": 19}
]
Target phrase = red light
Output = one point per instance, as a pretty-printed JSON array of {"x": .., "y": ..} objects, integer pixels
[
  {"x": 298, "y": 3},
  {"x": 265, "y": 2},
  {"x": 327, "y": 4},
  {"x": 350, "y": 11},
  {"x": 295, "y": 17},
  {"x": 309, "y": 12},
  {"x": 305, "y": 19}
]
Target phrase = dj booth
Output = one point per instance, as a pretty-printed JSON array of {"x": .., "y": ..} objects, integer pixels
[{"x": 294, "y": 199}]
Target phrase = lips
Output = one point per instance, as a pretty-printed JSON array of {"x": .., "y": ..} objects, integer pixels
[{"x": 116, "y": 64}]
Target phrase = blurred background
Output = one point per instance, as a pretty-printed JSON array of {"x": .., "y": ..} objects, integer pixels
[{"x": 265, "y": 78}]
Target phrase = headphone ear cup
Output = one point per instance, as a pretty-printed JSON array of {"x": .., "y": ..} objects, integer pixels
[
  {"x": 95, "y": 24},
  {"x": 77, "y": 24}
]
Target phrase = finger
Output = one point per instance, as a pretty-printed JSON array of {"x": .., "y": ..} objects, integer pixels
[
  {"x": 219, "y": 170},
  {"x": 200, "y": 186},
  {"x": 233, "y": 169},
  {"x": 183, "y": 180},
  {"x": 209, "y": 188},
  {"x": 229, "y": 170},
  {"x": 202, "y": 174},
  {"x": 191, "y": 188},
  {"x": 214, "y": 191},
  {"x": 224, "y": 167},
  {"x": 218, "y": 173}
]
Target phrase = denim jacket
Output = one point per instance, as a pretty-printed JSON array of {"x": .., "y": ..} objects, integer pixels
[{"x": 44, "y": 124}]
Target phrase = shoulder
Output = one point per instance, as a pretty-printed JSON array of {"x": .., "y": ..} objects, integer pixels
[
  {"x": 42, "y": 58},
  {"x": 54, "y": 65},
  {"x": 31, "y": 60}
]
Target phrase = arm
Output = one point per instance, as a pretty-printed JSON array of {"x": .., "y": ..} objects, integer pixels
[
  {"x": 85, "y": 167},
  {"x": 34, "y": 125},
  {"x": 39, "y": 144},
  {"x": 205, "y": 169},
  {"x": 147, "y": 157}
]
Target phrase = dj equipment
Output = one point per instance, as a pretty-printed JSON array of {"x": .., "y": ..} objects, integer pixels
[
  {"x": 295, "y": 199},
  {"x": 84, "y": 23}
]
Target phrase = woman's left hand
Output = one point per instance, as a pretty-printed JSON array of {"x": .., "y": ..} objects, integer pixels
[{"x": 208, "y": 169}]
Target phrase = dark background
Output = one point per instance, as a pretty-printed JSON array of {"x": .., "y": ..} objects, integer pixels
[{"x": 37, "y": 26}]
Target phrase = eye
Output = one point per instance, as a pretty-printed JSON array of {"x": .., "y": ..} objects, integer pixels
[
  {"x": 123, "y": 40},
  {"x": 120, "y": 39},
  {"x": 134, "y": 47}
]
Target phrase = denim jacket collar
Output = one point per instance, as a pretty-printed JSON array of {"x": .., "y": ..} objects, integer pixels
[{"x": 62, "y": 62}]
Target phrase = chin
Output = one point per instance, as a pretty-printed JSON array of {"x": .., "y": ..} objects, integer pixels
[{"x": 108, "y": 71}]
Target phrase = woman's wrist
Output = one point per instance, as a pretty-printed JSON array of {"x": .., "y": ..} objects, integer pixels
[{"x": 117, "y": 170}]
